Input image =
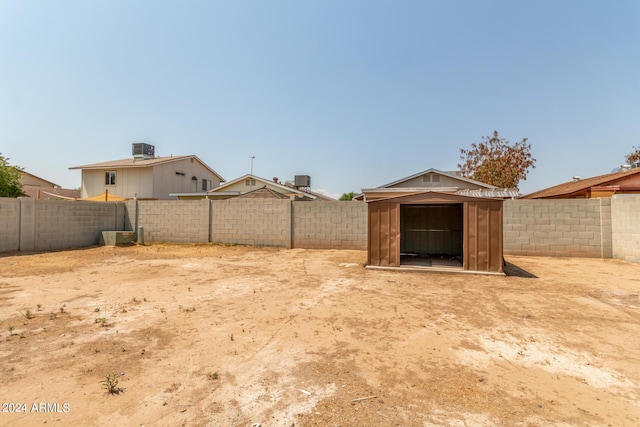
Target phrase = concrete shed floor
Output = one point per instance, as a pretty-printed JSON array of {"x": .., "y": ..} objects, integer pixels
[{"x": 431, "y": 261}]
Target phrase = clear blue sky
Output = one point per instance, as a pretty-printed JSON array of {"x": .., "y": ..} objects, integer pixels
[{"x": 354, "y": 93}]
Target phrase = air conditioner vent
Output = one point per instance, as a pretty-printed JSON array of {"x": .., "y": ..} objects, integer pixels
[
  {"x": 302, "y": 181},
  {"x": 141, "y": 150}
]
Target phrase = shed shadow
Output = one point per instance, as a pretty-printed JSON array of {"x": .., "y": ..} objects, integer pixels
[{"x": 512, "y": 270}]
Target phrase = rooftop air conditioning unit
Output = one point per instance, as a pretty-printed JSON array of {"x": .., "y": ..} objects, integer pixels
[
  {"x": 141, "y": 150},
  {"x": 302, "y": 181}
]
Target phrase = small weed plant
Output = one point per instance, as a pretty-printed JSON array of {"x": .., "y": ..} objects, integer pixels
[{"x": 110, "y": 383}]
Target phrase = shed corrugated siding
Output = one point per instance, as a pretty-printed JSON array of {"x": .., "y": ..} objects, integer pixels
[
  {"x": 384, "y": 234},
  {"x": 483, "y": 246}
]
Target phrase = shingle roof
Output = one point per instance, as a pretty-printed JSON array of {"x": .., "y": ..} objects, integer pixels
[
  {"x": 264, "y": 181},
  {"x": 143, "y": 163},
  {"x": 571, "y": 187},
  {"x": 262, "y": 193},
  {"x": 131, "y": 162}
]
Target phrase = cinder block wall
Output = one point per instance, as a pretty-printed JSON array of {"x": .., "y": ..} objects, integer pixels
[
  {"x": 625, "y": 220},
  {"x": 571, "y": 228},
  {"x": 263, "y": 222},
  {"x": 9, "y": 224},
  {"x": 66, "y": 225},
  {"x": 177, "y": 221},
  {"x": 334, "y": 225}
]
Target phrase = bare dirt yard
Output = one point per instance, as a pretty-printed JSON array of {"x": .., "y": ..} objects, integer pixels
[{"x": 239, "y": 336}]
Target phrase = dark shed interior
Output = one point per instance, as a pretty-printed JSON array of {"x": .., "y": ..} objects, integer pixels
[{"x": 431, "y": 234}]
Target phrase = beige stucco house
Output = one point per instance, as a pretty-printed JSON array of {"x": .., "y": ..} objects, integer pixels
[
  {"x": 148, "y": 177},
  {"x": 41, "y": 189},
  {"x": 255, "y": 187}
]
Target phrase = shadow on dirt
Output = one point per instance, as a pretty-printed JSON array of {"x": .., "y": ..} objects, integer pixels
[{"x": 512, "y": 270}]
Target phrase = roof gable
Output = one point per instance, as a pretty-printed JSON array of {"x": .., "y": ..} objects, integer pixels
[
  {"x": 413, "y": 181},
  {"x": 27, "y": 178},
  {"x": 268, "y": 183},
  {"x": 262, "y": 193}
]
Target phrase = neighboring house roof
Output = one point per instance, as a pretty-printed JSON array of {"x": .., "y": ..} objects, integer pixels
[
  {"x": 33, "y": 180},
  {"x": 50, "y": 193},
  {"x": 581, "y": 186},
  {"x": 39, "y": 188},
  {"x": 453, "y": 175},
  {"x": 274, "y": 185},
  {"x": 317, "y": 195},
  {"x": 143, "y": 163},
  {"x": 262, "y": 193},
  {"x": 230, "y": 189}
]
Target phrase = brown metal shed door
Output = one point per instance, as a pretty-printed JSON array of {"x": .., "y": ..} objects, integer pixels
[{"x": 384, "y": 234}]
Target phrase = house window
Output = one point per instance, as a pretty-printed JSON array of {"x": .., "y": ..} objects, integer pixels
[
  {"x": 204, "y": 185},
  {"x": 194, "y": 184},
  {"x": 110, "y": 178},
  {"x": 180, "y": 173},
  {"x": 250, "y": 182}
]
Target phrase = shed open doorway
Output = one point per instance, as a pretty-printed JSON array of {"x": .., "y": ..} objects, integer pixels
[{"x": 431, "y": 235}]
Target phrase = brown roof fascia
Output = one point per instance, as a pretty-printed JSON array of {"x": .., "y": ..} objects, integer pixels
[
  {"x": 430, "y": 196},
  {"x": 575, "y": 188}
]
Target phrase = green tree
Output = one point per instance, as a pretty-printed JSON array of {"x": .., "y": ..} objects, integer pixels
[
  {"x": 495, "y": 162},
  {"x": 10, "y": 185},
  {"x": 633, "y": 157},
  {"x": 348, "y": 196}
]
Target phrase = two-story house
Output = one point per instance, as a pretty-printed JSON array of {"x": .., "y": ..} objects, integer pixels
[{"x": 148, "y": 177}]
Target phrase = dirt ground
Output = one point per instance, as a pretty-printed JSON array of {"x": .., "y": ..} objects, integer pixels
[{"x": 239, "y": 336}]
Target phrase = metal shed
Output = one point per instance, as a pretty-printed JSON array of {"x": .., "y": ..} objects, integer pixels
[{"x": 435, "y": 230}]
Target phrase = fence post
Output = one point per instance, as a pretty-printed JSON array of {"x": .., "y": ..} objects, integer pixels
[
  {"x": 290, "y": 228},
  {"x": 27, "y": 224},
  {"x": 210, "y": 237},
  {"x": 135, "y": 227}
]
